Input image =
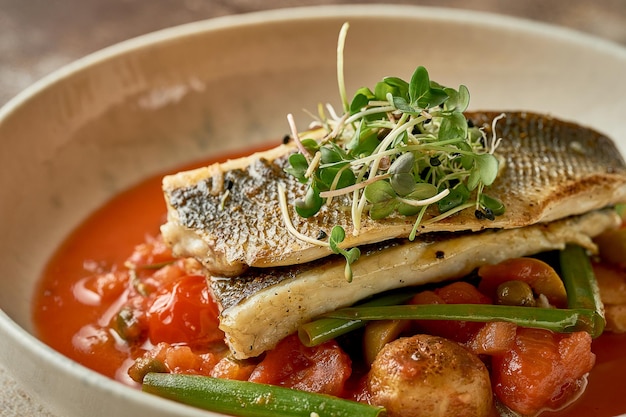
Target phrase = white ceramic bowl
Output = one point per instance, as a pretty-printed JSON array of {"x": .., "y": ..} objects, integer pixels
[{"x": 97, "y": 126}]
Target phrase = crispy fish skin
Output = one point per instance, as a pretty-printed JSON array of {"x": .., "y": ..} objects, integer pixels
[
  {"x": 228, "y": 215},
  {"x": 264, "y": 305}
]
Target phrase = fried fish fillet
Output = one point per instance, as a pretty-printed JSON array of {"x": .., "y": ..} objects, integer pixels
[
  {"x": 228, "y": 215},
  {"x": 264, "y": 305}
]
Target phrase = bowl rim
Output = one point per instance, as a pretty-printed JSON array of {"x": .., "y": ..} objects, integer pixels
[
  {"x": 30, "y": 344},
  {"x": 491, "y": 19}
]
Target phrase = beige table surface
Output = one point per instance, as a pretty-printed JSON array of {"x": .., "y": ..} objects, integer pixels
[{"x": 39, "y": 36}]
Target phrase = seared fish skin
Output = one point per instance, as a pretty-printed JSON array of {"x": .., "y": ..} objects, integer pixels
[
  {"x": 228, "y": 215},
  {"x": 264, "y": 305}
]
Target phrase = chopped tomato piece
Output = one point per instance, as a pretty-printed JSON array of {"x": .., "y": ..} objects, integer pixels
[
  {"x": 229, "y": 368},
  {"x": 426, "y": 297},
  {"x": 324, "y": 368},
  {"x": 165, "y": 357},
  {"x": 462, "y": 293},
  {"x": 542, "y": 370},
  {"x": 184, "y": 312},
  {"x": 149, "y": 280},
  {"x": 182, "y": 360},
  {"x": 494, "y": 338},
  {"x": 108, "y": 285}
]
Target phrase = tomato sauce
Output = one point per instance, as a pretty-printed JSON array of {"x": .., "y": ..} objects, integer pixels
[{"x": 70, "y": 319}]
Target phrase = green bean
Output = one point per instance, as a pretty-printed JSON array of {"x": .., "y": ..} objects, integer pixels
[
  {"x": 322, "y": 330},
  {"x": 581, "y": 285},
  {"x": 558, "y": 320},
  {"x": 249, "y": 399}
]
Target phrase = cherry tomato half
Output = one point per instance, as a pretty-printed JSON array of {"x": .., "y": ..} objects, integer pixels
[{"x": 184, "y": 312}]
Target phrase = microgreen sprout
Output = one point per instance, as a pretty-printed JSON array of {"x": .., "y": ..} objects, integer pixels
[{"x": 396, "y": 150}]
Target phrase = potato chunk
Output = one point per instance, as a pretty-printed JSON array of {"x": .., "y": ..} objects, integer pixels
[{"x": 429, "y": 376}]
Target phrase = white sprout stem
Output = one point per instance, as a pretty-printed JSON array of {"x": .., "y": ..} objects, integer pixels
[
  {"x": 439, "y": 145},
  {"x": 354, "y": 210},
  {"x": 426, "y": 115},
  {"x": 341, "y": 42},
  {"x": 332, "y": 111},
  {"x": 313, "y": 164},
  {"x": 448, "y": 213},
  {"x": 495, "y": 141},
  {"x": 357, "y": 212},
  {"x": 337, "y": 128},
  {"x": 426, "y": 201},
  {"x": 367, "y": 159},
  {"x": 284, "y": 209},
  {"x": 296, "y": 136},
  {"x": 353, "y": 187},
  {"x": 368, "y": 111},
  {"x": 479, "y": 191},
  {"x": 418, "y": 221},
  {"x": 380, "y": 103},
  {"x": 223, "y": 199}
]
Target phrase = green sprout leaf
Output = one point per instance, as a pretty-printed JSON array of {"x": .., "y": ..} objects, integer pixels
[
  {"x": 493, "y": 204},
  {"x": 458, "y": 101},
  {"x": 463, "y": 99},
  {"x": 423, "y": 93},
  {"x": 311, "y": 204},
  {"x": 361, "y": 99},
  {"x": 379, "y": 192},
  {"x": 298, "y": 166},
  {"x": 436, "y": 97},
  {"x": 419, "y": 88},
  {"x": 364, "y": 141},
  {"x": 473, "y": 179},
  {"x": 337, "y": 235},
  {"x": 453, "y": 126},
  {"x": 422, "y": 191},
  {"x": 487, "y": 165},
  {"x": 402, "y": 180},
  {"x": 331, "y": 155},
  {"x": 337, "y": 177},
  {"x": 310, "y": 145},
  {"x": 402, "y": 105},
  {"x": 394, "y": 85},
  {"x": 458, "y": 196},
  {"x": 383, "y": 199}
]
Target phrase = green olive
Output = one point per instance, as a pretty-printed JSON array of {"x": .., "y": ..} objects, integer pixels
[
  {"x": 128, "y": 324},
  {"x": 515, "y": 293}
]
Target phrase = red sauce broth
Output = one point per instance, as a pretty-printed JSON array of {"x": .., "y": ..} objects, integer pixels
[{"x": 109, "y": 235}]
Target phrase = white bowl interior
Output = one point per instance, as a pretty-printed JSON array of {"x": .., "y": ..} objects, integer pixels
[{"x": 147, "y": 105}]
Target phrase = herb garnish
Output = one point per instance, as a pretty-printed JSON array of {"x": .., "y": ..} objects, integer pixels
[{"x": 396, "y": 150}]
